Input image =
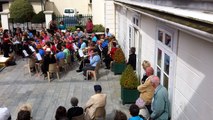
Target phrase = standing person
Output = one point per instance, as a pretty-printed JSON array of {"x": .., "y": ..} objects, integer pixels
[
  {"x": 74, "y": 110},
  {"x": 160, "y": 104},
  {"x": 145, "y": 65},
  {"x": 107, "y": 33},
  {"x": 96, "y": 101},
  {"x": 6, "y": 43},
  {"x": 89, "y": 26},
  {"x": 62, "y": 26},
  {"x": 134, "y": 111},
  {"x": 146, "y": 90},
  {"x": 132, "y": 58}
]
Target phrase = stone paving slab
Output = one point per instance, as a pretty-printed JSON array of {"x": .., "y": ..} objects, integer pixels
[{"x": 18, "y": 87}]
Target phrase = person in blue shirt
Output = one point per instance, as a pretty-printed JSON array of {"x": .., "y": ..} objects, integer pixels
[
  {"x": 134, "y": 111},
  {"x": 60, "y": 55},
  {"x": 94, "y": 38},
  {"x": 83, "y": 44},
  {"x": 94, "y": 59}
]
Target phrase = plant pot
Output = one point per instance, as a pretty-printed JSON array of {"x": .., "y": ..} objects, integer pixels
[
  {"x": 129, "y": 96},
  {"x": 118, "y": 68}
]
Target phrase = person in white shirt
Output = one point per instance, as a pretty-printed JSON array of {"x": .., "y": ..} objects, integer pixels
[{"x": 4, "y": 114}]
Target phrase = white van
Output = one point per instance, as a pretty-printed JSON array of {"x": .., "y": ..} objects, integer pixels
[{"x": 70, "y": 12}]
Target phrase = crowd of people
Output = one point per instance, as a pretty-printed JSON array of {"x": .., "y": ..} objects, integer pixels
[{"x": 57, "y": 44}]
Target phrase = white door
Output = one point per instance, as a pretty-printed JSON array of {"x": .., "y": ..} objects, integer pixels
[{"x": 165, "y": 56}]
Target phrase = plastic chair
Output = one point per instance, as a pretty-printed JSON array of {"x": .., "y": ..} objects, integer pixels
[
  {"x": 100, "y": 113},
  {"x": 30, "y": 64},
  {"x": 68, "y": 61},
  {"x": 95, "y": 72},
  {"x": 52, "y": 69},
  {"x": 62, "y": 64},
  {"x": 80, "y": 117}
]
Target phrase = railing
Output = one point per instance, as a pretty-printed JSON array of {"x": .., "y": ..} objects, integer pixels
[{"x": 73, "y": 20}]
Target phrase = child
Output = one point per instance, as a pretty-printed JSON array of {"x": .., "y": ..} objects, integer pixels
[{"x": 134, "y": 111}]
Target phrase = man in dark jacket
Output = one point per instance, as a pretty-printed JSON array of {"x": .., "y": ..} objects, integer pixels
[{"x": 132, "y": 58}]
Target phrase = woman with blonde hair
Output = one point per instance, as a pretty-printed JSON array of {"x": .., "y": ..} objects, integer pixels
[
  {"x": 25, "y": 112},
  {"x": 145, "y": 65}
]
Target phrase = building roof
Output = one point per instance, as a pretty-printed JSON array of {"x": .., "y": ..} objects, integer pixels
[
  {"x": 29, "y": 0},
  {"x": 203, "y": 16},
  {"x": 200, "y": 26}
]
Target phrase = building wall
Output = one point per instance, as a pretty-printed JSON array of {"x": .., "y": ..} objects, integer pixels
[
  {"x": 81, "y": 6},
  {"x": 193, "y": 99},
  {"x": 5, "y": 7},
  {"x": 36, "y": 6},
  {"x": 148, "y": 27},
  {"x": 109, "y": 17},
  {"x": 192, "y": 83},
  {"x": 98, "y": 10}
]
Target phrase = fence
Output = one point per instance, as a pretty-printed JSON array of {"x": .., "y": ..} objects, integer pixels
[{"x": 73, "y": 20}]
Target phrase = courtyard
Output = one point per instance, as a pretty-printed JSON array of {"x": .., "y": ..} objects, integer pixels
[{"x": 18, "y": 87}]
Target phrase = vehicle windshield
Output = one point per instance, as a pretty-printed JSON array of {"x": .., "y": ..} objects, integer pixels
[{"x": 68, "y": 11}]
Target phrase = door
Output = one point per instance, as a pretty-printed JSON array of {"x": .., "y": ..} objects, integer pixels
[{"x": 165, "y": 56}]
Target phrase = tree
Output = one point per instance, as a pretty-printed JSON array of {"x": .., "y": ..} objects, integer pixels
[
  {"x": 38, "y": 18},
  {"x": 21, "y": 11}
]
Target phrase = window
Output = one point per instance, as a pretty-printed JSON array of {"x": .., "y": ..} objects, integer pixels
[
  {"x": 135, "y": 21},
  {"x": 165, "y": 55}
]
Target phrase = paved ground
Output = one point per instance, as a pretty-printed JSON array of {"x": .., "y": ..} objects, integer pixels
[{"x": 17, "y": 87}]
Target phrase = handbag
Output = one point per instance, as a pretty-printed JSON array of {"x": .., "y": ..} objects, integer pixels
[{"x": 140, "y": 103}]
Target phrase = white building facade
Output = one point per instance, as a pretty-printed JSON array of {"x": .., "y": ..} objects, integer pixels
[{"x": 179, "y": 51}]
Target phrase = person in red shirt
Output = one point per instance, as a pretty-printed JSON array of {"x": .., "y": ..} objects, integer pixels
[
  {"x": 89, "y": 26},
  {"x": 6, "y": 43}
]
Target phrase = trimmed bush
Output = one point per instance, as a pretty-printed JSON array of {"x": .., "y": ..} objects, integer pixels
[
  {"x": 21, "y": 11},
  {"x": 129, "y": 79},
  {"x": 98, "y": 28},
  {"x": 119, "y": 56},
  {"x": 38, "y": 18}
]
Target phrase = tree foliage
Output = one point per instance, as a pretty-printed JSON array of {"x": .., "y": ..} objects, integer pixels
[
  {"x": 38, "y": 18},
  {"x": 129, "y": 78},
  {"x": 21, "y": 11}
]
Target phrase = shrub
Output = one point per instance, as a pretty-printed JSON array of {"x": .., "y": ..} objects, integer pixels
[
  {"x": 129, "y": 78},
  {"x": 38, "y": 18},
  {"x": 119, "y": 56},
  {"x": 71, "y": 28},
  {"x": 21, "y": 11},
  {"x": 98, "y": 28}
]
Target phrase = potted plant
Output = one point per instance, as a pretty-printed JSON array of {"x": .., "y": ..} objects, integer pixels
[
  {"x": 119, "y": 63},
  {"x": 129, "y": 83}
]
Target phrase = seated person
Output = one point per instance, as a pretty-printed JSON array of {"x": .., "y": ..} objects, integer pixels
[
  {"x": 74, "y": 110},
  {"x": 86, "y": 60},
  {"x": 61, "y": 113},
  {"x": 23, "y": 115},
  {"x": 134, "y": 111},
  {"x": 4, "y": 114},
  {"x": 25, "y": 112},
  {"x": 94, "y": 59},
  {"x": 60, "y": 55},
  {"x": 120, "y": 115},
  {"x": 96, "y": 101},
  {"x": 49, "y": 58}
]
